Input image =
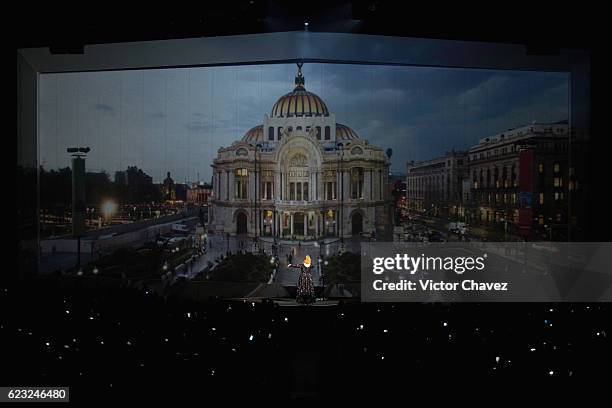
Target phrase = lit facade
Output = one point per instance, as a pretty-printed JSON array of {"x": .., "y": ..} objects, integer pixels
[{"x": 300, "y": 175}]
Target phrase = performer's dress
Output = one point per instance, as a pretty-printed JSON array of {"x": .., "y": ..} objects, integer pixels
[{"x": 305, "y": 286}]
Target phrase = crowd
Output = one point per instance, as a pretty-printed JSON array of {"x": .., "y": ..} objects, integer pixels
[{"x": 111, "y": 340}]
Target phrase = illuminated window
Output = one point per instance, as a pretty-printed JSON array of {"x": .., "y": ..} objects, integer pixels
[
  {"x": 541, "y": 198},
  {"x": 556, "y": 167},
  {"x": 541, "y": 168},
  {"x": 541, "y": 219}
]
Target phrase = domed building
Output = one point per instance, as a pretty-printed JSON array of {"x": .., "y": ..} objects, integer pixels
[{"x": 300, "y": 175}]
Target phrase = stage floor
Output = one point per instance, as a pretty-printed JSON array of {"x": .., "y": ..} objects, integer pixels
[{"x": 291, "y": 302}]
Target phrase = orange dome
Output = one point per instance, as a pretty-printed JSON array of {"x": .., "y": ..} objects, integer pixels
[
  {"x": 254, "y": 134},
  {"x": 299, "y": 102},
  {"x": 344, "y": 132}
]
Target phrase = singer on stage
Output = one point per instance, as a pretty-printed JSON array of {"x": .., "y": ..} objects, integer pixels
[{"x": 305, "y": 286}]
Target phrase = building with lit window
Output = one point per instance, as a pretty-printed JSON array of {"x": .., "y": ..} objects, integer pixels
[
  {"x": 300, "y": 175},
  {"x": 199, "y": 193},
  {"x": 521, "y": 180},
  {"x": 526, "y": 178}
]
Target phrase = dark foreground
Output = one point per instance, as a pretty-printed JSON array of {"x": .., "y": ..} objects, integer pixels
[{"x": 108, "y": 342}]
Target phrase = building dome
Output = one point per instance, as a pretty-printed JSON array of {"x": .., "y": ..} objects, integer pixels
[
  {"x": 254, "y": 135},
  {"x": 344, "y": 132},
  {"x": 299, "y": 102}
]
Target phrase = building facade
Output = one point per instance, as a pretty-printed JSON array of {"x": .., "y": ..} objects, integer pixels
[
  {"x": 525, "y": 178},
  {"x": 436, "y": 186},
  {"x": 199, "y": 194},
  {"x": 300, "y": 175},
  {"x": 521, "y": 180}
]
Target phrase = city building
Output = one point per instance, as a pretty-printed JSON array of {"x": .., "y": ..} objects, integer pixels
[
  {"x": 520, "y": 181},
  {"x": 168, "y": 189},
  {"x": 436, "y": 186},
  {"x": 300, "y": 175},
  {"x": 199, "y": 193},
  {"x": 523, "y": 178}
]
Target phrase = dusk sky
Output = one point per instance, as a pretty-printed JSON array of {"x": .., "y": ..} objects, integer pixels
[{"x": 176, "y": 119}]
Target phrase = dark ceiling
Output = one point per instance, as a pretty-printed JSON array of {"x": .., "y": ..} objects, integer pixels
[{"x": 544, "y": 30}]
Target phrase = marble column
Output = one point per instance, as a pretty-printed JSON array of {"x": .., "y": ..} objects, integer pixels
[{"x": 291, "y": 222}]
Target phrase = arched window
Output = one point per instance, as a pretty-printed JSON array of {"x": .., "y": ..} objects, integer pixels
[
  {"x": 271, "y": 133},
  {"x": 280, "y": 132},
  {"x": 357, "y": 150},
  {"x": 327, "y": 133},
  {"x": 318, "y": 132}
]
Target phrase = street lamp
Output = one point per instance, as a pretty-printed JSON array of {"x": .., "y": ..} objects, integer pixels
[
  {"x": 256, "y": 146},
  {"x": 78, "y": 155},
  {"x": 340, "y": 146}
]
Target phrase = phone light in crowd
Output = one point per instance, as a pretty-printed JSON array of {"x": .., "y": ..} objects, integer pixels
[{"x": 109, "y": 208}]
